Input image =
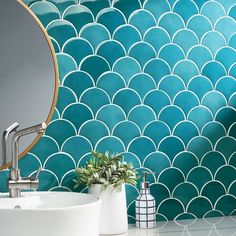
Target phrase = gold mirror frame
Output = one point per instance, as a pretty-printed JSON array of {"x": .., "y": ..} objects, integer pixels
[{"x": 49, "y": 117}]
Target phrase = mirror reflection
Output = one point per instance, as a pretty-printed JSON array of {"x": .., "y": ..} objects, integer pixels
[{"x": 28, "y": 74}]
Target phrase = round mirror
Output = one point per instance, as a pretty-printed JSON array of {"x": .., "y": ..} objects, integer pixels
[{"x": 28, "y": 72}]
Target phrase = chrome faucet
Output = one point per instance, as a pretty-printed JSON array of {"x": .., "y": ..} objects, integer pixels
[
  {"x": 5, "y": 146},
  {"x": 16, "y": 183}
]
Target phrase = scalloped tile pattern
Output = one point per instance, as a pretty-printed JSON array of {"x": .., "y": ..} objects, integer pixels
[{"x": 162, "y": 93}]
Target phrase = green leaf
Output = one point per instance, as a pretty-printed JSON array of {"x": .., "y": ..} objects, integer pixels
[{"x": 106, "y": 169}]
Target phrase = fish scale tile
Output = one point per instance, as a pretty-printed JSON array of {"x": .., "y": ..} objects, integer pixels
[{"x": 165, "y": 71}]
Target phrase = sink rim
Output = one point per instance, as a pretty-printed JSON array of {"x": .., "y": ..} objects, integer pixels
[{"x": 5, "y": 196}]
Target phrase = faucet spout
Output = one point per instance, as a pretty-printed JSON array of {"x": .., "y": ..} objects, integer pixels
[
  {"x": 5, "y": 147},
  {"x": 40, "y": 128}
]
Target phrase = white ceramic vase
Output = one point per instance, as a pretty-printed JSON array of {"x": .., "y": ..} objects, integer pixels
[{"x": 113, "y": 218}]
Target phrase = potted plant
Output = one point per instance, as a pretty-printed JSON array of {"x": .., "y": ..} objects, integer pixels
[{"x": 106, "y": 175}]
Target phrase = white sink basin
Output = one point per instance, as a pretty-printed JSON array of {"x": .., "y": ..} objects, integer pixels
[{"x": 50, "y": 214}]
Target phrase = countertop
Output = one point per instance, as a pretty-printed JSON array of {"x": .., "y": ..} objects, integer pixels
[{"x": 217, "y": 226}]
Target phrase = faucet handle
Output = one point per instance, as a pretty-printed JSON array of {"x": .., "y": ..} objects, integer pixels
[{"x": 37, "y": 173}]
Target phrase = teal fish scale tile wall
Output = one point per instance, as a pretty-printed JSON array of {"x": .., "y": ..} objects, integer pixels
[{"x": 154, "y": 80}]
